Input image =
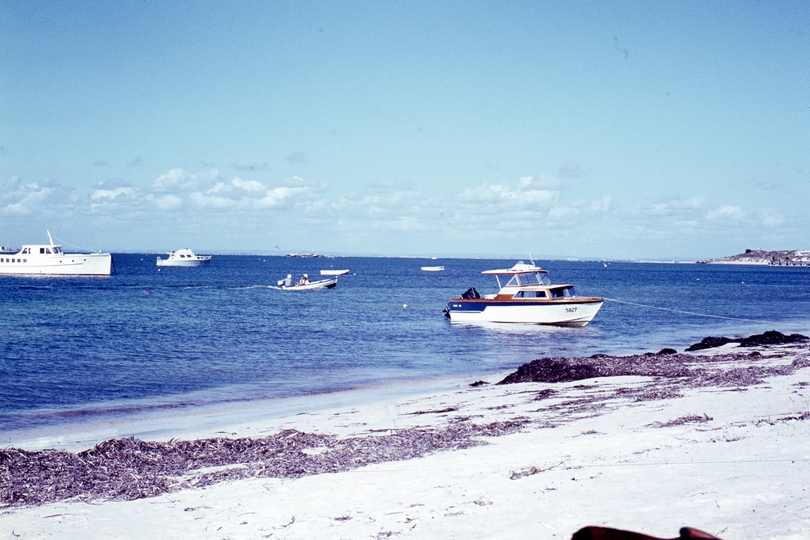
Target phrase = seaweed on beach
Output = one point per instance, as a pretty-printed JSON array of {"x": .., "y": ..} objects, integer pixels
[
  {"x": 711, "y": 342},
  {"x": 128, "y": 469},
  {"x": 664, "y": 364},
  {"x": 771, "y": 337},
  {"x": 688, "y": 419},
  {"x": 556, "y": 370}
]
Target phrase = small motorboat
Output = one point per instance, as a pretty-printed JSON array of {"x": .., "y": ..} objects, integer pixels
[
  {"x": 304, "y": 284},
  {"x": 184, "y": 257},
  {"x": 433, "y": 268},
  {"x": 334, "y": 272},
  {"x": 527, "y": 297}
]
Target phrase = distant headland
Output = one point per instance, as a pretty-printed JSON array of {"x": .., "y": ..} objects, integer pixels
[{"x": 788, "y": 257}]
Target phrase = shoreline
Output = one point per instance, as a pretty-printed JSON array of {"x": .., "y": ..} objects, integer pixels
[
  {"x": 164, "y": 421},
  {"x": 726, "y": 443}
]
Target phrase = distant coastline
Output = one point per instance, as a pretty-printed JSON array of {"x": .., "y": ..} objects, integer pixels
[{"x": 790, "y": 257}]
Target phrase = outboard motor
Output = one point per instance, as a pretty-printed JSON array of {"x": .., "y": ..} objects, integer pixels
[{"x": 470, "y": 294}]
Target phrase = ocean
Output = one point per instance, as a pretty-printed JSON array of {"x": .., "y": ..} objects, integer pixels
[{"x": 189, "y": 337}]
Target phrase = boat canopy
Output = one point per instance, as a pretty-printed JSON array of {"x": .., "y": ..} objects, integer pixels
[
  {"x": 521, "y": 275},
  {"x": 519, "y": 268}
]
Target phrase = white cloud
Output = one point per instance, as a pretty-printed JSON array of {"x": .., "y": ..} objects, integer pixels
[
  {"x": 769, "y": 218},
  {"x": 207, "y": 201},
  {"x": 168, "y": 202},
  {"x": 113, "y": 193},
  {"x": 274, "y": 197},
  {"x": 495, "y": 198},
  {"x": 250, "y": 185},
  {"x": 391, "y": 217},
  {"x": 178, "y": 180},
  {"x": 725, "y": 212},
  {"x": 18, "y": 199}
]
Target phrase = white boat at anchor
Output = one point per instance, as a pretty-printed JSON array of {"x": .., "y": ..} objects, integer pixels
[
  {"x": 527, "y": 297},
  {"x": 184, "y": 257},
  {"x": 330, "y": 272},
  {"x": 304, "y": 284},
  {"x": 50, "y": 260},
  {"x": 433, "y": 269}
]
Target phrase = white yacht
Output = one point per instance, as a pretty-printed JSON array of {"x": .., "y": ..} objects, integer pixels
[
  {"x": 527, "y": 297},
  {"x": 184, "y": 257},
  {"x": 49, "y": 259}
]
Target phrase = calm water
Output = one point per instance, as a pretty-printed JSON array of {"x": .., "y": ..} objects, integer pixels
[{"x": 202, "y": 335}]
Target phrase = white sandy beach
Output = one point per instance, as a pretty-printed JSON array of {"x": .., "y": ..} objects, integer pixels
[{"x": 734, "y": 462}]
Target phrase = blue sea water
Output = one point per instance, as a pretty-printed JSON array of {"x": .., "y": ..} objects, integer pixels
[{"x": 196, "y": 336}]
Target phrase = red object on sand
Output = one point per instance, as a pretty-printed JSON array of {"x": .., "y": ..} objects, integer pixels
[{"x": 604, "y": 533}]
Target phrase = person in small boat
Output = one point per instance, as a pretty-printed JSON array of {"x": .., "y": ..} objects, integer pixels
[
  {"x": 304, "y": 280},
  {"x": 288, "y": 280}
]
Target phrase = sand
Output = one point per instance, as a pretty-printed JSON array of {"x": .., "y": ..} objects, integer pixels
[{"x": 730, "y": 457}]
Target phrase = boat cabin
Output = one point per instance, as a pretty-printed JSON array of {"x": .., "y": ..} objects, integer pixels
[{"x": 527, "y": 281}]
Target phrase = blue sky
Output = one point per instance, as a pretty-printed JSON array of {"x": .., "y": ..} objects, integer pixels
[{"x": 616, "y": 130}]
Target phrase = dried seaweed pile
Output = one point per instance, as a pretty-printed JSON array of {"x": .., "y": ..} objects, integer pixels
[
  {"x": 668, "y": 364},
  {"x": 693, "y": 370},
  {"x": 771, "y": 337},
  {"x": 132, "y": 469}
]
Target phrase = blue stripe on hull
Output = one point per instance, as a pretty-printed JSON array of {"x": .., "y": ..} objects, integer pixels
[{"x": 478, "y": 307}]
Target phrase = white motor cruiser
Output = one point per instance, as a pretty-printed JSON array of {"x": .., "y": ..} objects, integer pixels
[
  {"x": 49, "y": 259},
  {"x": 527, "y": 297},
  {"x": 184, "y": 257}
]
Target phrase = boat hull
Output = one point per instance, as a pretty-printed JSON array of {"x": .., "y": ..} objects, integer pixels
[
  {"x": 559, "y": 313},
  {"x": 334, "y": 272},
  {"x": 68, "y": 264}
]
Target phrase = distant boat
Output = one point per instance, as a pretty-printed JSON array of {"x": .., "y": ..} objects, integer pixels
[
  {"x": 433, "y": 268},
  {"x": 184, "y": 257},
  {"x": 49, "y": 259},
  {"x": 334, "y": 272}
]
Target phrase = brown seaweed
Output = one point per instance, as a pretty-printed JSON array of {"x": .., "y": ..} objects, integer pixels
[{"x": 128, "y": 469}]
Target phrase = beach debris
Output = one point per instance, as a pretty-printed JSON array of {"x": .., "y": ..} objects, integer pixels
[
  {"x": 771, "y": 337},
  {"x": 711, "y": 342},
  {"x": 436, "y": 411},
  {"x": 128, "y": 469},
  {"x": 681, "y": 420},
  {"x": 688, "y": 370},
  {"x": 531, "y": 471}
]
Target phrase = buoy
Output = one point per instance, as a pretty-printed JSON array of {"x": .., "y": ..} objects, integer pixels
[{"x": 404, "y": 306}]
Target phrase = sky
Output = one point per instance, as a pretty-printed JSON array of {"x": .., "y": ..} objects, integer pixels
[{"x": 588, "y": 130}]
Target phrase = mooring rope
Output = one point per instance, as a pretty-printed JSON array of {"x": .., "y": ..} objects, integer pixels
[
  {"x": 687, "y": 312},
  {"x": 64, "y": 243}
]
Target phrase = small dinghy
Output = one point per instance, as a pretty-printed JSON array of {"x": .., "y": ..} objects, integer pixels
[
  {"x": 304, "y": 284},
  {"x": 334, "y": 272}
]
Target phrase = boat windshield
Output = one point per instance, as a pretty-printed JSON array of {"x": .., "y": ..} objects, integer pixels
[
  {"x": 529, "y": 278},
  {"x": 562, "y": 292}
]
